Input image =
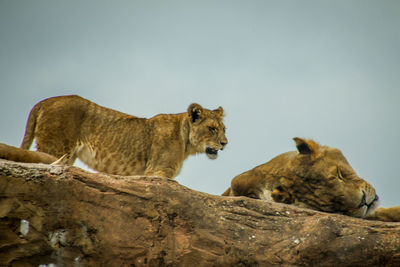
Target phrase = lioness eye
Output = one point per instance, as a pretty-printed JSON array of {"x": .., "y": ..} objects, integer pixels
[
  {"x": 212, "y": 129},
  {"x": 339, "y": 174}
]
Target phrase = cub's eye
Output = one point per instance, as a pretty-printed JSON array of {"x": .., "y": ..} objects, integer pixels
[
  {"x": 339, "y": 174},
  {"x": 224, "y": 129},
  {"x": 212, "y": 129}
]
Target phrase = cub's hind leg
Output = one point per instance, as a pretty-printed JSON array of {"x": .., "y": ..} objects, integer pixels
[
  {"x": 58, "y": 138},
  {"x": 68, "y": 156},
  {"x": 62, "y": 148}
]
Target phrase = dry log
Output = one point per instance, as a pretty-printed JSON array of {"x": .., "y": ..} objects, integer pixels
[{"x": 69, "y": 217}]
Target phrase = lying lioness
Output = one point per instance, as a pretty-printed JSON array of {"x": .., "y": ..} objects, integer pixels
[
  {"x": 315, "y": 177},
  {"x": 113, "y": 142}
]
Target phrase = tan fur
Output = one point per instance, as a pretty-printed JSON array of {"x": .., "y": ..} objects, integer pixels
[
  {"x": 316, "y": 177},
  {"x": 385, "y": 214},
  {"x": 23, "y": 155},
  {"x": 117, "y": 143}
]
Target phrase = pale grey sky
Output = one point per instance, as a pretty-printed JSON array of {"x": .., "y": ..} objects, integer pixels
[{"x": 327, "y": 70}]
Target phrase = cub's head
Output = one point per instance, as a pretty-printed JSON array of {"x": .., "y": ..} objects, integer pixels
[
  {"x": 207, "y": 131},
  {"x": 320, "y": 178}
]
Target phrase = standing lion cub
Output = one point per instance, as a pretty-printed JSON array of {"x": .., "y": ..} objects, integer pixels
[{"x": 113, "y": 142}]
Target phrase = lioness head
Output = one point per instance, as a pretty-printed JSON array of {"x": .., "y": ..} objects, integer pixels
[
  {"x": 314, "y": 176},
  {"x": 207, "y": 131}
]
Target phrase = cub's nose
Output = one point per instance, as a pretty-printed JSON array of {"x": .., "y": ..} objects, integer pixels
[{"x": 223, "y": 143}]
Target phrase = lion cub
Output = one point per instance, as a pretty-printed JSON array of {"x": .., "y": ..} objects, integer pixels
[{"x": 113, "y": 142}]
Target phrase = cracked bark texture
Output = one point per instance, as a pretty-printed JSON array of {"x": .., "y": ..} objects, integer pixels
[{"x": 69, "y": 217}]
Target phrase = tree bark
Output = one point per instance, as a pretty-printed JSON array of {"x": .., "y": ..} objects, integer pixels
[{"x": 70, "y": 217}]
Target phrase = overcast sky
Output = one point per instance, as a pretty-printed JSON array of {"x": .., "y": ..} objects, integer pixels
[{"x": 327, "y": 70}]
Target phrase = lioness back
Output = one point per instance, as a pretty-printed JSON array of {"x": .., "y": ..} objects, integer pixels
[{"x": 117, "y": 143}]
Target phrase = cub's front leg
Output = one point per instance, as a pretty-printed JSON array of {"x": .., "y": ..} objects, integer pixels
[
  {"x": 165, "y": 158},
  {"x": 166, "y": 172},
  {"x": 163, "y": 165}
]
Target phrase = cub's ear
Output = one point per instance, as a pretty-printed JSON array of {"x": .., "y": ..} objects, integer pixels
[
  {"x": 305, "y": 146},
  {"x": 195, "y": 112},
  {"x": 219, "y": 111}
]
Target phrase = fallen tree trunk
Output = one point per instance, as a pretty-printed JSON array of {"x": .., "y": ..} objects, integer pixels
[{"x": 69, "y": 217}]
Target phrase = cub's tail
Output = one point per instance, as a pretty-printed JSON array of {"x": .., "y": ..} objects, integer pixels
[
  {"x": 21, "y": 155},
  {"x": 30, "y": 127}
]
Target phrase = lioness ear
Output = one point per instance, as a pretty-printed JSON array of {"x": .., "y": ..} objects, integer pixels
[
  {"x": 305, "y": 146},
  {"x": 195, "y": 112},
  {"x": 219, "y": 111}
]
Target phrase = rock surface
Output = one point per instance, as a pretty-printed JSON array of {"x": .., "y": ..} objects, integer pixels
[{"x": 69, "y": 217}]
